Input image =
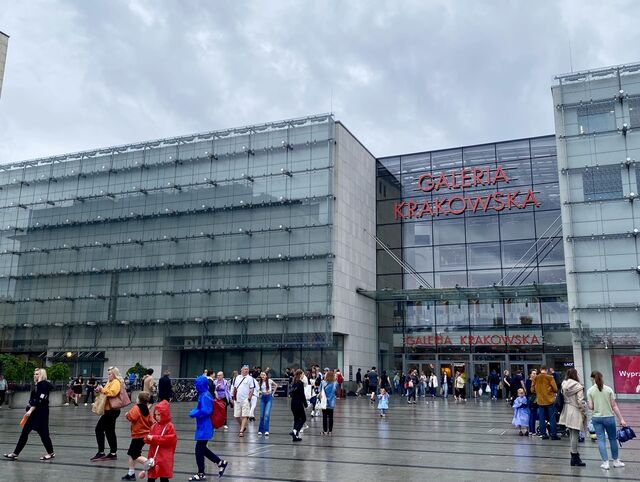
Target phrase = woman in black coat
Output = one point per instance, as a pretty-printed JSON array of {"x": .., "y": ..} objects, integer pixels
[
  {"x": 298, "y": 405},
  {"x": 38, "y": 417}
]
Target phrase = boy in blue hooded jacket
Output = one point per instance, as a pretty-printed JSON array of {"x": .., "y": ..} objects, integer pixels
[{"x": 204, "y": 429}]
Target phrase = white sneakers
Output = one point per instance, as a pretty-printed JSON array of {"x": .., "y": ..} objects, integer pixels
[{"x": 616, "y": 463}]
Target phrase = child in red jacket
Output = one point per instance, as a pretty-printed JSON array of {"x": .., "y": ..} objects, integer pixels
[{"x": 162, "y": 440}]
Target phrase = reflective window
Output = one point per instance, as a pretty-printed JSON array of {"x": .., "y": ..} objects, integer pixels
[
  {"x": 479, "y": 155},
  {"x": 516, "y": 226},
  {"x": 599, "y": 117},
  {"x": 446, "y": 160},
  {"x": 634, "y": 112},
  {"x": 509, "y": 151},
  {"x": 388, "y": 166},
  {"x": 482, "y": 229},
  {"x": 603, "y": 182},
  {"x": 416, "y": 234},
  {"x": 449, "y": 231},
  {"x": 421, "y": 259},
  {"x": 518, "y": 172},
  {"x": 483, "y": 255},
  {"x": 445, "y": 279},
  {"x": 543, "y": 146},
  {"x": 545, "y": 169},
  {"x": 450, "y": 257}
]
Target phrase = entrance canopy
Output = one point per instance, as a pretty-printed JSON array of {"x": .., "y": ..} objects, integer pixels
[{"x": 494, "y": 292}]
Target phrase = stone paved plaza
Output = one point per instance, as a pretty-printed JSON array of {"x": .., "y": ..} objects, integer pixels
[{"x": 445, "y": 440}]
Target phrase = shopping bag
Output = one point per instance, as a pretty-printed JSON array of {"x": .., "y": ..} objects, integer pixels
[
  {"x": 322, "y": 401},
  {"x": 480, "y": 392},
  {"x": 97, "y": 407},
  {"x": 219, "y": 414}
]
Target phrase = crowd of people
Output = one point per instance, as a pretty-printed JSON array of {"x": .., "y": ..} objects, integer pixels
[{"x": 536, "y": 403}]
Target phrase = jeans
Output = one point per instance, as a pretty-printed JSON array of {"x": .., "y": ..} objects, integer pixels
[
  {"x": 327, "y": 420},
  {"x": 201, "y": 452},
  {"x": 420, "y": 390},
  {"x": 550, "y": 412},
  {"x": 494, "y": 390},
  {"x": 533, "y": 416},
  {"x": 608, "y": 425},
  {"x": 445, "y": 389},
  {"x": 265, "y": 412},
  {"x": 107, "y": 426},
  {"x": 90, "y": 394},
  {"x": 412, "y": 394}
]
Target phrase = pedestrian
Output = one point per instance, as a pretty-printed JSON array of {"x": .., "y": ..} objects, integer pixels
[
  {"x": 459, "y": 385},
  {"x": 90, "y": 390},
  {"x": 422, "y": 385},
  {"x": 545, "y": 389},
  {"x": 254, "y": 399},
  {"x": 130, "y": 383},
  {"x": 494, "y": 381},
  {"x": 162, "y": 440},
  {"x": 3, "y": 390},
  {"x": 222, "y": 393},
  {"x": 445, "y": 383},
  {"x": 340, "y": 380},
  {"x": 476, "y": 384},
  {"x": 602, "y": 403},
  {"x": 396, "y": 382},
  {"x": 267, "y": 387},
  {"x": 366, "y": 383},
  {"x": 383, "y": 402},
  {"x": 359, "y": 382},
  {"x": 433, "y": 384},
  {"x": 506, "y": 383},
  {"x": 241, "y": 393},
  {"x": 204, "y": 429},
  {"x": 411, "y": 385},
  {"x": 574, "y": 413},
  {"x": 517, "y": 382},
  {"x": 36, "y": 417},
  {"x": 521, "y": 413},
  {"x": 165, "y": 391},
  {"x": 533, "y": 405},
  {"x": 298, "y": 405},
  {"x": 141, "y": 423},
  {"x": 328, "y": 389},
  {"x": 149, "y": 384},
  {"x": 115, "y": 391},
  {"x": 373, "y": 380}
]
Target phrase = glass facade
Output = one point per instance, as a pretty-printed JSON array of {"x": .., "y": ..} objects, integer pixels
[
  {"x": 219, "y": 240},
  {"x": 485, "y": 217}
]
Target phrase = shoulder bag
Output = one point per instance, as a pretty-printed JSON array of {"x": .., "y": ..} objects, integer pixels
[{"x": 121, "y": 400}]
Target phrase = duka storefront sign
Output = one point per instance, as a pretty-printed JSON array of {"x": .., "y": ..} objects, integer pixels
[
  {"x": 459, "y": 203},
  {"x": 458, "y": 338}
]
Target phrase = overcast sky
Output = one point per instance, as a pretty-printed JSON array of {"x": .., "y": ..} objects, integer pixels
[{"x": 402, "y": 75}]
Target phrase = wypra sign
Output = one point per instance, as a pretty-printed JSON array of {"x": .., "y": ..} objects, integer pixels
[{"x": 458, "y": 202}]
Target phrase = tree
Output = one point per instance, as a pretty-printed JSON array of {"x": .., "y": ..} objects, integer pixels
[
  {"x": 138, "y": 369},
  {"x": 16, "y": 369},
  {"x": 58, "y": 372}
]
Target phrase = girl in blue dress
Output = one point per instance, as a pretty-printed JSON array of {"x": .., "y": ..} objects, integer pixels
[
  {"x": 521, "y": 413},
  {"x": 383, "y": 402}
]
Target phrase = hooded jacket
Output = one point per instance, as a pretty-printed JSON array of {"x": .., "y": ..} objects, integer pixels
[
  {"x": 162, "y": 446},
  {"x": 140, "y": 419},
  {"x": 202, "y": 413},
  {"x": 574, "y": 413}
]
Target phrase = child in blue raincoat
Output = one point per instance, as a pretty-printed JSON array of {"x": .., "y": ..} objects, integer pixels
[
  {"x": 204, "y": 429},
  {"x": 521, "y": 413}
]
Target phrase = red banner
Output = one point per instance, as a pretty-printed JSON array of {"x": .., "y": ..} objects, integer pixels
[{"x": 626, "y": 373}]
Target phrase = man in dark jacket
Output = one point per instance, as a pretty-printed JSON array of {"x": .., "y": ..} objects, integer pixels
[{"x": 165, "y": 392}]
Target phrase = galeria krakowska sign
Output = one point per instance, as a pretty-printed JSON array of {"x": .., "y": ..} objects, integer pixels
[{"x": 458, "y": 203}]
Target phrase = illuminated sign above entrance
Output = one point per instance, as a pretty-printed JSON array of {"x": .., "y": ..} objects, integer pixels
[{"x": 469, "y": 177}]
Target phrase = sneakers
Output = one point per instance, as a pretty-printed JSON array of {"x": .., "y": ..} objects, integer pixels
[
  {"x": 226, "y": 427},
  {"x": 266, "y": 434},
  {"x": 259, "y": 433},
  {"x": 111, "y": 456},
  {"x": 98, "y": 456},
  {"x": 149, "y": 463},
  {"x": 222, "y": 466},
  {"x": 618, "y": 463},
  {"x": 86, "y": 404},
  {"x": 605, "y": 465},
  {"x": 129, "y": 477}
]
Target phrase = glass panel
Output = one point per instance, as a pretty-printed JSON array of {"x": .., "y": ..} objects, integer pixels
[
  {"x": 600, "y": 117},
  {"x": 482, "y": 229},
  {"x": 485, "y": 154},
  {"x": 421, "y": 259},
  {"x": 483, "y": 255},
  {"x": 634, "y": 113},
  {"x": 516, "y": 226},
  {"x": 449, "y": 231},
  {"x": 509, "y": 151},
  {"x": 543, "y": 146},
  {"x": 450, "y": 257},
  {"x": 604, "y": 182},
  {"x": 545, "y": 169}
]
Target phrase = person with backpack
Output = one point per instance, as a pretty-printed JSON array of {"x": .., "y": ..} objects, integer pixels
[
  {"x": 204, "y": 429},
  {"x": 494, "y": 381},
  {"x": 602, "y": 403}
]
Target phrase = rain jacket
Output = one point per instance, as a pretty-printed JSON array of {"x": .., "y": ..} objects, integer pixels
[
  {"x": 162, "y": 446},
  {"x": 574, "y": 413},
  {"x": 202, "y": 413}
]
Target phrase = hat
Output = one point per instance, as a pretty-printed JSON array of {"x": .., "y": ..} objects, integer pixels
[
  {"x": 245, "y": 366},
  {"x": 326, "y": 369}
]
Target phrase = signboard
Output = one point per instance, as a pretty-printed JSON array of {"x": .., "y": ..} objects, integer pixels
[
  {"x": 478, "y": 338},
  {"x": 459, "y": 203},
  {"x": 626, "y": 373}
]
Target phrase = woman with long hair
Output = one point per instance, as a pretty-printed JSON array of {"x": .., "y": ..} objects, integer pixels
[
  {"x": 574, "y": 413},
  {"x": 602, "y": 403},
  {"x": 328, "y": 389},
  {"x": 298, "y": 405},
  {"x": 77, "y": 386},
  {"x": 106, "y": 425},
  {"x": 267, "y": 388},
  {"x": 37, "y": 417}
]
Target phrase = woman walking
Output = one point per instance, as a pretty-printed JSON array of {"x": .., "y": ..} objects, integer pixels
[
  {"x": 602, "y": 402},
  {"x": 37, "y": 417},
  {"x": 222, "y": 393},
  {"x": 411, "y": 386},
  {"x": 574, "y": 413},
  {"x": 328, "y": 389},
  {"x": 77, "y": 386},
  {"x": 267, "y": 388},
  {"x": 298, "y": 405},
  {"x": 106, "y": 425}
]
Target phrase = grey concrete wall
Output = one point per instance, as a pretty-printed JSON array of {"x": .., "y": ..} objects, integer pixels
[{"x": 355, "y": 252}]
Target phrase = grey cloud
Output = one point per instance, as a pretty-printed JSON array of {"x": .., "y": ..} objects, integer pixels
[{"x": 403, "y": 76}]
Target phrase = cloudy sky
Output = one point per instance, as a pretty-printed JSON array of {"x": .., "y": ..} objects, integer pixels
[{"x": 402, "y": 75}]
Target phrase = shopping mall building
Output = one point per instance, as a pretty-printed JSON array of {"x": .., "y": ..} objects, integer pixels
[{"x": 288, "y": 243}]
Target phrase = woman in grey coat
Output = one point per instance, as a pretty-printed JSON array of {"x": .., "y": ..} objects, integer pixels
[{"x": 574, "y": 412}]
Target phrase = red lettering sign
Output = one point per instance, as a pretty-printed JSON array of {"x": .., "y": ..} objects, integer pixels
[{"x": 626, "y": 373}]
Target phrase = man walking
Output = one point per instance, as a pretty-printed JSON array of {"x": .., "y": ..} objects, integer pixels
[
  {"x": 545, "y": 388},
  {"x": 373, "y": 380},
  {"x": 3, "y": 390},
  {"x": 359, "y": 382},
  {"x": 165, "y": 392},
  {"x": 242, "y": 393}
]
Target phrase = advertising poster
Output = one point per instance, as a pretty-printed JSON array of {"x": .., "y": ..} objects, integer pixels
[{"x": 626, "y": 373}]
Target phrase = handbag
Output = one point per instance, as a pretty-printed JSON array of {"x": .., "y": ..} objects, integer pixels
[
  {"x": 322, "y": 400},
  {"x": 624, "y": 434},
  {"x": 98, "y": 405},
  {"x": 121, "y": 400}
]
